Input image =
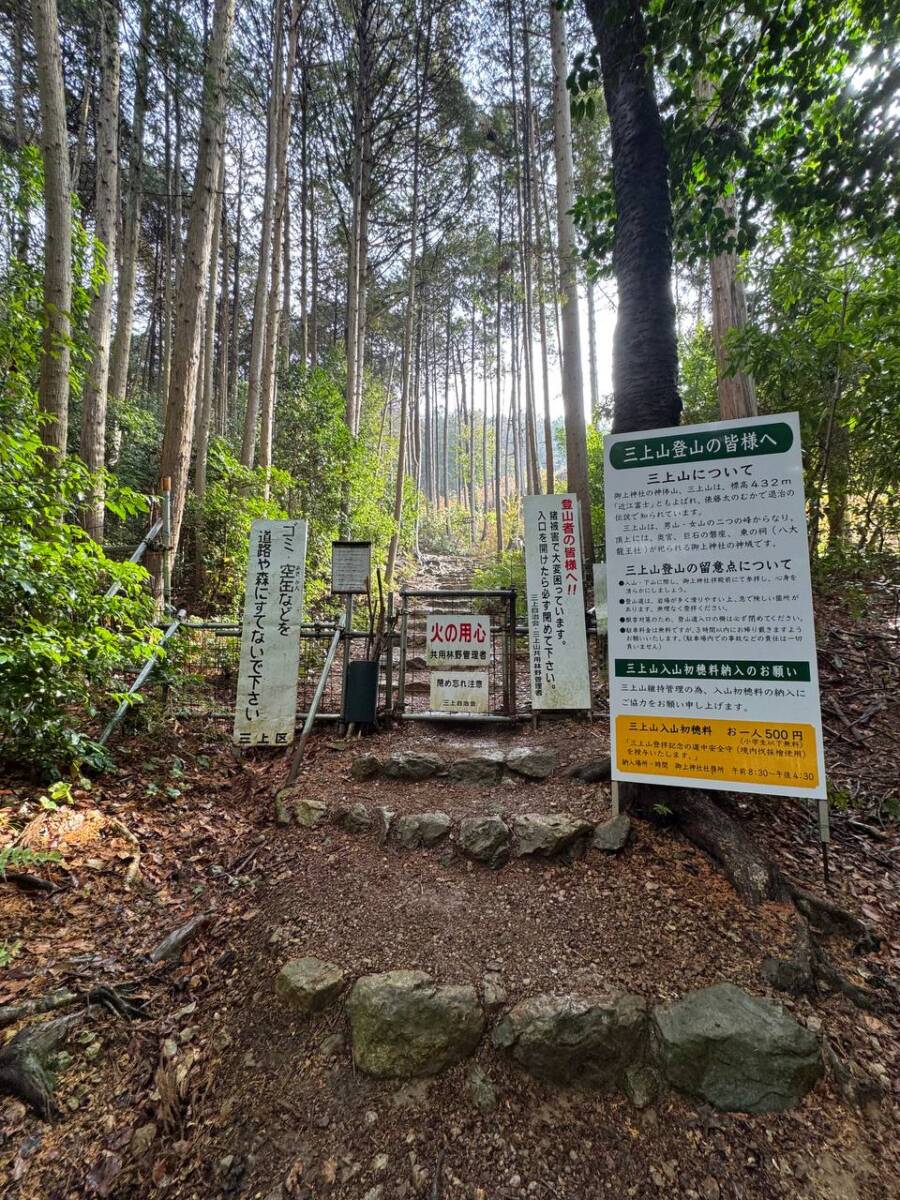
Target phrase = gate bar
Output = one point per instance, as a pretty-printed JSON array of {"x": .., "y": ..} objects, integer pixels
[
  {"x": 472, "y": 718},
  {"x": 139, "y": 682},
  {"x": 462, "y": 593},
  {"x": 137, "y": 554},
  {"x": 316, "y": 700}
]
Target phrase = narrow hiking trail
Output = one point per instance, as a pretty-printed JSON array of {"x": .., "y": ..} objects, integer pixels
[{"x": 222, "y": 1090}]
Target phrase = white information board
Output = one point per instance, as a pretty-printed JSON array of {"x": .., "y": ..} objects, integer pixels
[
  {"x": 266, "y": 704},
  {"x": 557, "y": 637},
  {"x": 351, "y": 567},
  {"x": 601, "y": 607},
  {"x": 457, "y": 640},
  {"x": 712, "y": 653},
  {"x": 459, "y": 691}
]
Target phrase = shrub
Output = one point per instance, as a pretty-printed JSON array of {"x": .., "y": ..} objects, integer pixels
[{"x": 62, "y": 642}]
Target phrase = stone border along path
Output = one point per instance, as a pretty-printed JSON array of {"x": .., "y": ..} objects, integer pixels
[
  {"x": 485, "y": 837},
  {"x": 739, "y": 1053},
  {"x": 488, "y": 767}
]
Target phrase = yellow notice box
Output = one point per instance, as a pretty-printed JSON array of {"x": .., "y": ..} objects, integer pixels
[{"x": 755, "y": 752}]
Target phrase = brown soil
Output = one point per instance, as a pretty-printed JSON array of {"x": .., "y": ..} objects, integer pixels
[{"x": 235, "y": 1098}]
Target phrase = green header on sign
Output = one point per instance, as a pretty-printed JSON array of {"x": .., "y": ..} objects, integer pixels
[
  {"x": 693, "y": 668},
  {"x": 751, "y": 441}
]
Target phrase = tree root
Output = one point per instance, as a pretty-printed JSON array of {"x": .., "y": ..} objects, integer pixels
[
  {"x": 756, "y": 879},
  {"x": 835, "y": 918},
  {"x": 710, "y": 827},
  {"x": 23, "y": 1063},
  {"x": 172, "y": 945},
  {"x": 855, "y": 1085},
  {"x": 23, "y": 1060},
  {"x": 826, "y": 972},
  {"x": 28, "y": 883},
  {"x": 113, "y": 999},
  {"x": 133, "y": 876}
]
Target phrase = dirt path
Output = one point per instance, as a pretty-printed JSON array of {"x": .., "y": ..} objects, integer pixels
[{"x": 221, "y": 1092}]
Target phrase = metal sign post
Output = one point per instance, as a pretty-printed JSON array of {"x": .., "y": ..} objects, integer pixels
[
  {"x": 166, "y": 511},
  {"x": 351, "y": 573}
]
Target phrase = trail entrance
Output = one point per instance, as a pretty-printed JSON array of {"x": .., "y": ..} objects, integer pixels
[{"x": 476, "y": 644}]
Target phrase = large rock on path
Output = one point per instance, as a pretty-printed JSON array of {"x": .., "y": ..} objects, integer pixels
[
  {"x": 355, "y": 819},
  {"x": 308, "y": 984},
  {"x": 548, "y": 834},
  {"x": 487, "y": 839},
  {"x": 477, "y": 768},
  {"x": 612, "y": 835},
  {"x": 404, "y": 1024},
  {"x": 292, "y": 805},
  {"x": 409, "y": 764},
  {"x": 590, "y": 1040},
  {"x": 533, "y": 763},
  {"x": 414, "y": 830},
  {"x": 365, "y": 766},
  {"x": 310, "y": 813},
  {"x": 738, "y": 1052},
  {"x": 596, "y": 771}
]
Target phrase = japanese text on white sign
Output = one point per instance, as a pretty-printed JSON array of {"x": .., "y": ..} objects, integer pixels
[
  {"x": 459, "y": 691},
  {"x": 270, "y": 636},
  {"x": 712, "y": 656},
  {"x": 556, "y": 622},
  {"x": 460, "y": 640},
  {"x": 351, "y": 566}
]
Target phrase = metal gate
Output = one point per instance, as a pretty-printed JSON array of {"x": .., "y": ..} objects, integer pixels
[
  {"x": 206, "y": 681},
  {"x": 406, "y": 651}
]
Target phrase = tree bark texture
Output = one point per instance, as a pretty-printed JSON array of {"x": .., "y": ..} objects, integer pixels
[
  {"x": 423, "y": 57},
  {"x": 261, "y": 289},
  {"x": 175, "y": 456},
  {"x": 737, "y": 392},
  {"x": 572, "y": 383},
  {"x": 121, "y": 348},
  {"x": 645, "y": 359},
  {"x": 106, "y": 196},
  {"x": 53, "y": 388}
]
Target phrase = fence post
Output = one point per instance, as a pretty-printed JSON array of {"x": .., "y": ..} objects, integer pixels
[
  {"x": 348, "y": 634},
  {"x": 401, "y": 682},
  {"x": 511, "y": 653},
  {"x": 142, "y": 675},
  {"x": 315, "y": 702},
  {"x": 389, "y": 660},
  {"x": 166, "y": 511}
]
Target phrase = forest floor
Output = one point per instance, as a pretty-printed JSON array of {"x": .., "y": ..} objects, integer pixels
[{"x": 217, "y": 1091}]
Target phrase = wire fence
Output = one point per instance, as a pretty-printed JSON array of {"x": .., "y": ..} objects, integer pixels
[
  {"x": 199, "y": 678},
  {"x": 205, "y": 683}
]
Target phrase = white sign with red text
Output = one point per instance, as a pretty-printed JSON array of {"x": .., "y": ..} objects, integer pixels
[
  {"x": 457, "y": 640},
  {"x": 557, "y": 636}
]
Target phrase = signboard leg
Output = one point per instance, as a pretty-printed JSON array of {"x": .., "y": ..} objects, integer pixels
[
  {"x": 615, "y": 797},
  {"x": 825, "y": 839},
  {"x": 348, "y": 633},
  {"x": 389, "y": 659}
]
